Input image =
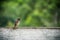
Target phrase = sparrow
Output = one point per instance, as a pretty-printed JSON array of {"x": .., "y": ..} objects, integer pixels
[{"x": 17, "y": 22}]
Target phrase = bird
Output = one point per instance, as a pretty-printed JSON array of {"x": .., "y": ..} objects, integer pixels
[{"x": 17, "y": 22}]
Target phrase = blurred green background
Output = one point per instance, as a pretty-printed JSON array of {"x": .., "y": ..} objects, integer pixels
[{"x": 35, "y": 13}]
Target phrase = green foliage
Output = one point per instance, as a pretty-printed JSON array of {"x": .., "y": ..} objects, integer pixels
[{"x": 32, "y": 12}]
